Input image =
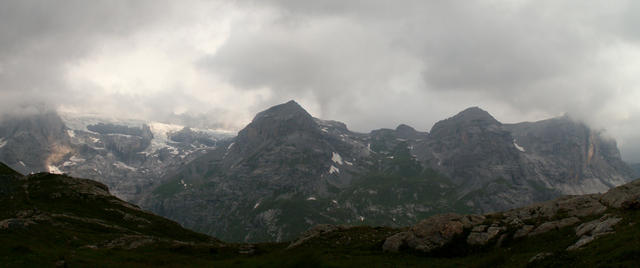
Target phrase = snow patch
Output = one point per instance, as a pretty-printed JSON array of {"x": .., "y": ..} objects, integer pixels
[
  {"x": 324, "y": 129},
  {"x": 71, "y": 133},
  {"x": 73, "y": 161},
  {"x": 161, "y": 134},
  {"x": 334, "y": 201},
  {"x": 22, "y": 163},
  {"x": 94, "y": 140},
  {"x": 518, "y": 146},
  {"x": 183, "y": 184},
  {"x": 228, "y": 149},
  {"x": 361, "y": 218},
  {"x": 54, "y": 170},
  {"x": 121, "y": 165},
  {"x": 333, "y": 169},
  {"x": 311, "y": 198},
  {"x": 256, "y": 205},
  {"x": 348, "y": 163},
  {"x": 2, "y": 143},
  {"x": 336, "y": 158}
]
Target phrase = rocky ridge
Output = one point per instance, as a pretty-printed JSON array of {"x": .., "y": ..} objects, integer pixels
[
  {"x": 287, "y": 171},
  {"x": 129, "y": 157},
  {"x": 439, "y": 231}
]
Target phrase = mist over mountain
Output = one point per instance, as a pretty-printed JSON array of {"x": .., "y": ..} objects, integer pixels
[
  {"x": 262, "y": 133},
  {"x": 287, "y": 171},
  {"x": 369, "y": 64},
  {"x": 128, "y": 156}
]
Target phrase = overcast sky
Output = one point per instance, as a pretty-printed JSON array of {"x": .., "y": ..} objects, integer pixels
[{"x": 368, "y": 63}]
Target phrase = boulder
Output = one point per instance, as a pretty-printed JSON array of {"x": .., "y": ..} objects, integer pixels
[
  {"x": 625, "y": 196},
  {"x": 589, "y": 231},
  {"x": 525, "y": 230},
  {"x": 573, "y": 206},
  {"x": 479, "y": 236},
  {"x": 432, "y": 233},
  {"x": 315, "y": 231},
  {"x": 395, "y": 242},
  {"x": 554, "y": 225}
]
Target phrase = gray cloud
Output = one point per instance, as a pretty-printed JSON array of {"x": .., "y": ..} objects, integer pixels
[
  {"x": 369, "y": 63},
  {"x": 38, "y": 38},
  {"x": 360, "y": 59}
]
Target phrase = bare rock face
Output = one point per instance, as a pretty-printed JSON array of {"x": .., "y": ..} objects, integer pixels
[
  {"x": 575, "y": 206},
  {"x": 316, "y": 231},
  {"x": 395, "y": 242},
  {"x": 589, "y": 231},
  {"x": 625, "y": 196},
  {"x": 432, "y": 233},
  {"x": 438, "y": 231},
  {"x": 554, "y": 225},
  {"x": 481, "y": 235}
]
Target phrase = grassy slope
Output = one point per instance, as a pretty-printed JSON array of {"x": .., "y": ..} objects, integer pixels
[
  {"x": 356, "y": 247},
  {"x": 51, "y": 242},
  {"x": 361, "y": 247}
]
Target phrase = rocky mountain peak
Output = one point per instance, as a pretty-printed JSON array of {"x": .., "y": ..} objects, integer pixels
[
  {"x": 407, "y": 132},
  {"x": 290, "y": 110},
  {"x": 278, "y": 121},
  {"x": 475, "y": 114},
  {"x": 471, "y": 119},
  {"x": 405, "y": 128}
]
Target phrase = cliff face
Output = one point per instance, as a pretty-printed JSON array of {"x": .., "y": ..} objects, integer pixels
[
  {"x": 127, "y": 158},
  {"x": 498, "y": 166},
  {"x": 287, "y": 171},
  {"x": 34, "y": 142}
]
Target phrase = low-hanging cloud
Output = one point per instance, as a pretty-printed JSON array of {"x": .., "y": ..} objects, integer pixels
[
  {"x": 521, "y": 60},
  {"x": 370, "y": 63}
]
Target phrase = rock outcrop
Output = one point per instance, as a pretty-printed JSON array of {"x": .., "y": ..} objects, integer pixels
[
  {"x": 432, "y": 233},
  {"x": 439, "y": 231}
]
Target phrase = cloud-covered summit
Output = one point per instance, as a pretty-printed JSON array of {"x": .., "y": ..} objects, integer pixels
[{"x": 368, "y": 63}]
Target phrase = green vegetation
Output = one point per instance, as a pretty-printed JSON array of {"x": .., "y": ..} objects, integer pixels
[
  {"x": 53, "y": 220},
  {"x": 169, "y": 188}
]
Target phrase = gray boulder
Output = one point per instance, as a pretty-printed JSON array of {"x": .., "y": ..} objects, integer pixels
[
  {"x": 554, "y": 225},
  {"x": 589, "y": 231},
  {"x": 432, "y": 233},
  {"x": 625, "y": 196},
  {"x": 480, "y": 236}
]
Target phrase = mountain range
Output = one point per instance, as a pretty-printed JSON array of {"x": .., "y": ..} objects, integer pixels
[
  {"x": 128, "y": 156},
  {"x": 288, "y": 176},
  {"x": 287, "y": 171}
]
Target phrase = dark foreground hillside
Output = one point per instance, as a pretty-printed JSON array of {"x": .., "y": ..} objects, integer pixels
[{"x": 55, "y": 220}]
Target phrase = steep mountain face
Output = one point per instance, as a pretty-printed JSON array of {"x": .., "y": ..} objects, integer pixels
[
  {"x": 287, "y": 171},
  {"x": 497, "y": 166},
  {"x": 31, "y": 143},
  {"x": 281, "y": 163},
  {"x": 636, "y": 169},
  {"x": 570, "y": 157},
  {"x": 129, "y": 158}
]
